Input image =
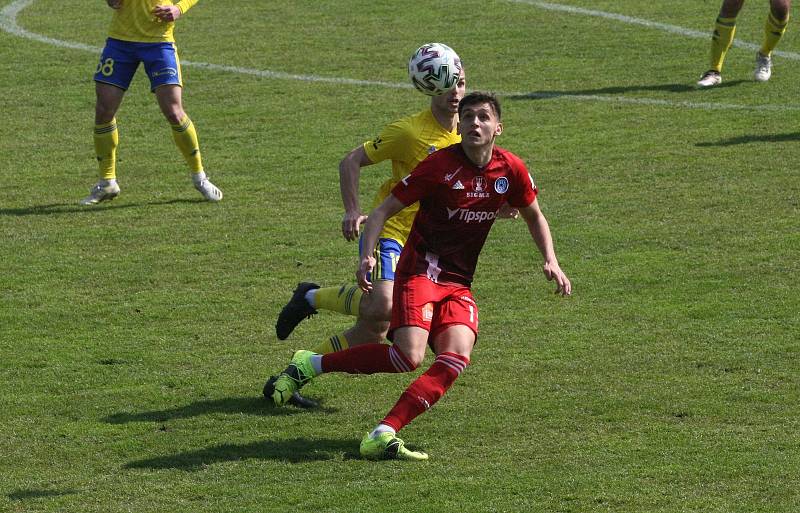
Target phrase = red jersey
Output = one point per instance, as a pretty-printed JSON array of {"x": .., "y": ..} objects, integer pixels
[{"x": 458, "y": 205}]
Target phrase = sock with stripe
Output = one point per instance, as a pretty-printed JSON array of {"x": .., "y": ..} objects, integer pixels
[
  {"x": 344, "y": 300},
  {"x": 106, "y": 139},
  {"x": 367, "y": 359},
  {"x": 426, "y": 390},
  {"x": 724, "y": 30},
  {"x": 332, "y": 345},
  {"x": 773, "y": 32},
  {"x": 185, "y": 137}
]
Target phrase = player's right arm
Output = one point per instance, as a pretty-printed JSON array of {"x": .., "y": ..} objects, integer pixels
[
  {"x": 349, "y": 174},
  {"x": 372, "y": 230},
  {"x": 540, "y": 232}
]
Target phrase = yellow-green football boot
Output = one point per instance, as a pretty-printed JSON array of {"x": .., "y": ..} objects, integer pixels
[
  {"x": 386, "y": 446},
  {"x": 298, "y": 373}
]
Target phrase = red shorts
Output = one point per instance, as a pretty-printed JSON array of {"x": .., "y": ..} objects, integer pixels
[{"x": 417, "y": 301}]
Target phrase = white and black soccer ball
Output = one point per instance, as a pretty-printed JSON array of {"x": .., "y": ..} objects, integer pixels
[{"x": 434, "y": 69}]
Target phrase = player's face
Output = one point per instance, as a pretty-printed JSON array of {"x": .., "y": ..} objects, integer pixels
[
  {"x": 479, "y": 125},
  {"x": 449, "y": 100}
]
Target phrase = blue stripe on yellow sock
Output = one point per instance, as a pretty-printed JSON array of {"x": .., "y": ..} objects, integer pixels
[
  {"x": 105, "y": 129},
  {"x": 349, "y": 300},
  {"x": 183, "y": 126}
]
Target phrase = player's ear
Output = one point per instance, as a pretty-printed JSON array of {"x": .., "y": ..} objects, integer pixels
[
  {"x": 458, "y": 127},
  {"x": 498, "y": 130}
]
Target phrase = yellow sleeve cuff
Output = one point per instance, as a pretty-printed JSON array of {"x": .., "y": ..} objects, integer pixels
[{"x": 185, "y": 5}]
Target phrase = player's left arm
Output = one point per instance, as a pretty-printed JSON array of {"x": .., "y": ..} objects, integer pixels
[
  {"x": 540, "y": 231},
  {"x": 172, "y": 12}
]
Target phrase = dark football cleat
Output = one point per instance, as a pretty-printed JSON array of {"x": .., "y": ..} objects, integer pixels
[
  {"x": 295, "y": 310},
  {"x": 295, "y": 400}
]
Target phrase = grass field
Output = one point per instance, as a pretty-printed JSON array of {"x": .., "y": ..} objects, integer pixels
[{"x": 135, "y": 336}]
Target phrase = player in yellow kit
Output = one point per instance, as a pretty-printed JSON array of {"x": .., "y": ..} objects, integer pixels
[
  {"x": 405, "y": 143},
  {"x": 142, "y": 32},
  {"x": 724, "y": 30}
]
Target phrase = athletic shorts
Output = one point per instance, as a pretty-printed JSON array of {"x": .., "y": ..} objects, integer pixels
[
  {"x": 386, "y": 253},
  {"x": 120, "y": 59},
  {"x": 417, "y": 301}
]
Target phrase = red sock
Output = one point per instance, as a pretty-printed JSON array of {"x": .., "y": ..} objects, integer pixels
[
  {"x": 426, "y": 390},
  {"x": 367, "y": 359}
]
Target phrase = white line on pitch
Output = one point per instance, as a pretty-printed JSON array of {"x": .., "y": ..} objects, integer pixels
[{"x": 8, "y": 23}]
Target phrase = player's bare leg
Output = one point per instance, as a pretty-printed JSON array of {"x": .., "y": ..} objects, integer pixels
[
  {"x": 375, "y": 313},
  {"x": 109, "y": 98},
  {"x": 169, "y": 97},
  {"x": 730, "y": 8}
]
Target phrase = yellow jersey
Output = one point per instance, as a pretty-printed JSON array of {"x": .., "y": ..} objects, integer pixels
[
  {"x": 406, "y": 142},
  {"x": 134, "y": 21}
]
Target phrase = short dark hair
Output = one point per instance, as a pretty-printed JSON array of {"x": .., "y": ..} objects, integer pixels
[{"x": 478, "y": 97}]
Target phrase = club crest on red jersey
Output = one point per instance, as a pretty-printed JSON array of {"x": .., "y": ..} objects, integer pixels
[{"x": 501, "y": 185}]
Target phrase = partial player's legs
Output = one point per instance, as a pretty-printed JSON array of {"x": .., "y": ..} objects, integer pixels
[
  {"x": 774, "y": 28},
  {"x": 721, "y": 40},
  {"x": 452, "y": 321},
  {"x": 453, "y": 347},
  {"x": 403, "y": 356},
  {"x": 375, "y": 313},
  {"x": 370, "y": 327},
  {"x": 374, "y": 310},
  {"x": 185, "y": 136},
  {"x": 106, "y": 138}
]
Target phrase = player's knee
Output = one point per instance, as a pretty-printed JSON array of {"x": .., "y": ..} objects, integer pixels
[
  {"x": 780, "y": 9},
  {"x": 174, "y": 116},
  {"x": 375, "y": 331},
  {"x": 416, "y": 359},
  {"x": 412, "y": 358},
  {"x": 103, "y": 113},
  {"x": 377, "y": 309},
  {"x": 730, "y": 8}
]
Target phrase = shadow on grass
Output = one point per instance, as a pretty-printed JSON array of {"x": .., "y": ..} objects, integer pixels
[
  {"x": 21, "y": 495},
  {"x": 669, "y": 88},
  {"x": 232, "y": 405},
  {"x": 74, "y": 208},
  {"x": 298, "y": 450},
  {"x": 748, "y": 139}
]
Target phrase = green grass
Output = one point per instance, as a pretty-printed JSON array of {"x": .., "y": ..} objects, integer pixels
[{"x": 135, "y": 336}]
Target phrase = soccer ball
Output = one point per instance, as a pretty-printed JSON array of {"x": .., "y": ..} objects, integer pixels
[{"x": 434, "y": 69}]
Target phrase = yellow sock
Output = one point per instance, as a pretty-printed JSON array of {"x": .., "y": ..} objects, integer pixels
[
  {"x": 106, "y": 139},
  {"x": 773, "y": 32},
  {"x": 344, "y": 300},
  {"x": 721, "y": 41},
  {"x": 332, "y": 345},
  {"x": 185, "y": 137}
]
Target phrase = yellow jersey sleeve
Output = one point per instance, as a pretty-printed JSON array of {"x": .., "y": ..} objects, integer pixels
[
  {"x": 406, "y": 142},
  {"x": 134, "y": 21}
]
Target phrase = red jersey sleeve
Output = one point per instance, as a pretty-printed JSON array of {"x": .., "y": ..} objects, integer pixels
[{"x": 524, "y": 191}]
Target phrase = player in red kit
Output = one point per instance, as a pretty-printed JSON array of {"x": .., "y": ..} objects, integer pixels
[{"x": 460, "y": 190}]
